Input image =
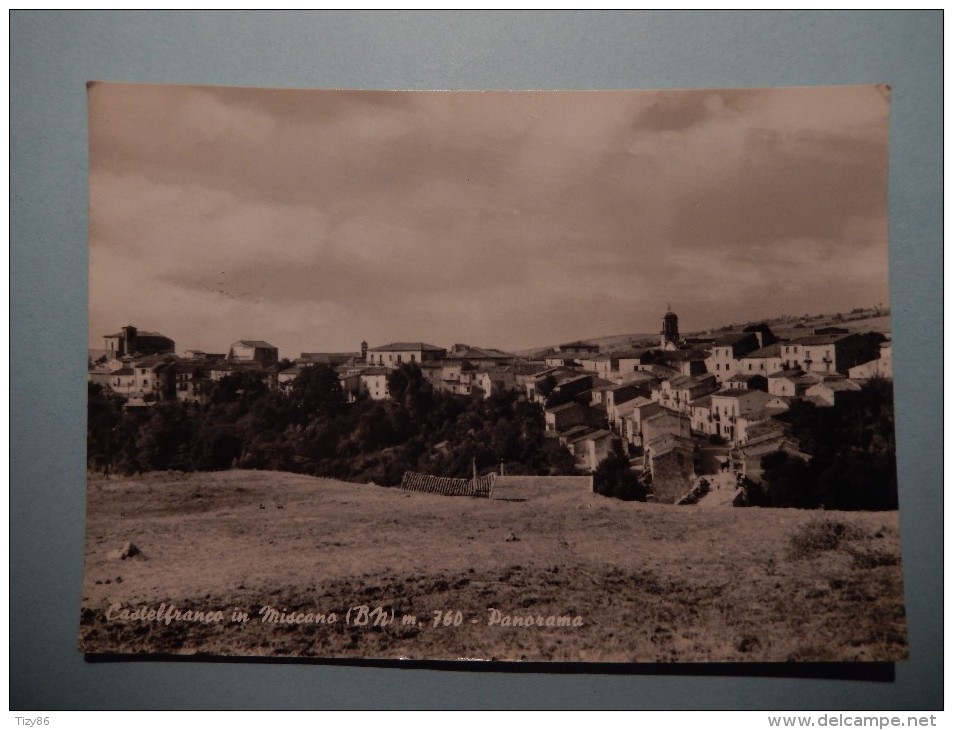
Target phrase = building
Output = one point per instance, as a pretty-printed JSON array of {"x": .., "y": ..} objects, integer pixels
[
  {"x": 670, "y": 458},
  {"x": 153, "y": 378},
  {"x": 253, "y": 351},
  {"x": 577, "y": 349},
  {"x": 701, "y": 416},
  {"x": 882, "y": 367},
  {"x": 202, "y": 355},
  {"x": 765, "y": 438},
  {"x": 191, "y": 381},
  {"x": 689, "y": 361},
  {"x": 748, "y": 381},
  {"x": 220, "y": 370},
  {"x": 123, "y": 381},
  {"x": 496, "y": 380},
  {"x": 482, "y": 357},
  {"x": 678, "y": 392},
  {"x": 603, "y": 365},
  {"x": 727, "y": 406},
  {"x": 395, "y": 354},
  {"x": 790, "y": 383},
  {"x": 572, "y": 385},
  {"x": 669, "y": 339},
  {"x": 458, "y": 376},
  {"x": 373, "y": 383},
  {"x": 763, "y": 361},
  {"x": 331, "y": 359},
  {"x": 727, "y": 351},
  {"x": 633, "y": 361},
  {"x": 827, "y": 393},
  {"x": 130, "y": 341},
  {"x": 837, "y": 353},
  {"x": 590, "y": 448},
  {"x": 617, "y": 396},
  {"x": 564, "y": 417},
  {"x": 631, "y": 425},
  {"x": 665, "y": 422},
  {"x": 287, "y": 376}
]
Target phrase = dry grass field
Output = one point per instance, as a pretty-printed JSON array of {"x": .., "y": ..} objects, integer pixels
[{"x": 649, "y": 583}]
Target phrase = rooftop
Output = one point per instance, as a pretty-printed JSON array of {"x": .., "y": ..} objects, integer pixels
[
  {"x": 407, "y": 347},
  {"x": 479, "y": 353},
  {"x": 731, "y": 339},
  {"x": 736, "y": 392},
  {"x": 375, "y": 371},
  {"x": 563, "y": 407},
  {"x": 256, "y": 344},
  {"x": 818, "y": 339},
  {"x": 790, "y": 374},
  {"x": 765, "y": 352}
]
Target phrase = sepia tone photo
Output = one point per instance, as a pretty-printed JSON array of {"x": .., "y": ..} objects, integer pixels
[{"x": 591, "y": 376}]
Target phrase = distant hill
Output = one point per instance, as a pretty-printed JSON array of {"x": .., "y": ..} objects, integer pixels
[
  {"x": 787, "y": 327},
  {"x": 606, "y": 343},
  {"x": 871, "y": 319}
]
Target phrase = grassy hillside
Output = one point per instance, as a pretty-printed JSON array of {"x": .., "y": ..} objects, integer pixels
[{"x": 649, "y": 582}]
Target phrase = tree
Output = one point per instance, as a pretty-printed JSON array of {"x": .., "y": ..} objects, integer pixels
[
  {"x": 164, "y": 438},
  {"x": 408, "y": 387},
  {"x": 786, "y": 481},
  {"x": 853, "y": 453},
  {"x": 614, "y": 477},
  {"x": 317, "y": 389},
  {"x": 546, "y": 386},
  {"x": 767, "y": 336},
  {"x": 103, "y": 416},
  {"x": 240, "y": 387}
]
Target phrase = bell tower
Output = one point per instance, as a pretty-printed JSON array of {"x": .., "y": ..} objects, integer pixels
[{"x": 669, "y": 340}]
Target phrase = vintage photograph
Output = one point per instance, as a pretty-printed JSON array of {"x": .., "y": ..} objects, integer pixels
[{"x": 522, "y": 376}]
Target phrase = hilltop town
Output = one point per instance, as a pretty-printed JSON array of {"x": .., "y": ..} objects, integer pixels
[{"x": 684, "y": 410}]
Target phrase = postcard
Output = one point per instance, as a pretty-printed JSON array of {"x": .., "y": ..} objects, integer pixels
[{"x": 517, "y": 376}]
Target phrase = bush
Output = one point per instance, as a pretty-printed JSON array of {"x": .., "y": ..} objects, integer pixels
[
  {"x": 820, "y": 536},
  {"x": 614, "y": 478}
]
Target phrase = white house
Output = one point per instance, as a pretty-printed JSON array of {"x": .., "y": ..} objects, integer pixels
[
  {"x": 374, "y": 382},
  {"x": 727, "y": 406},
  {"x": 253, "y": 351},
  {"x": 765, "y": 361},
  {"x": 826, "y": 393},
  {"x": 727, "y": 351}
]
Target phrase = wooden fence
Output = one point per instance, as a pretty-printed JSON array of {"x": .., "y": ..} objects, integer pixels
[{"x": 429, "y": 484}]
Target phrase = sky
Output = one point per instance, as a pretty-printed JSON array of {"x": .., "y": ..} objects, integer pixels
[{"x": 316, "y": 219}]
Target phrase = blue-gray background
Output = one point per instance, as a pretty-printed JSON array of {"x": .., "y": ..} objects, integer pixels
[{"x": 53, "y": 54}]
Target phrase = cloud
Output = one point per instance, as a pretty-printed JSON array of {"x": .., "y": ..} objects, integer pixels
[{"x": 507, "y": 219}]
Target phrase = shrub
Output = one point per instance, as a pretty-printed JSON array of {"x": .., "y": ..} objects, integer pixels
[
  {"x": 820, "y": 536},
  {"x": 614, "y": 478}
]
